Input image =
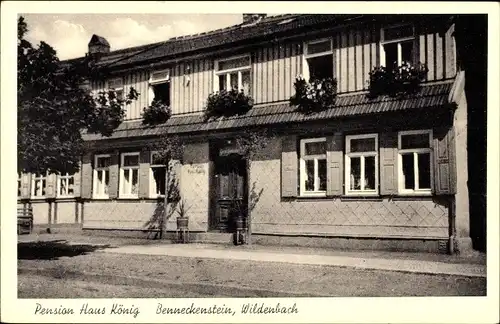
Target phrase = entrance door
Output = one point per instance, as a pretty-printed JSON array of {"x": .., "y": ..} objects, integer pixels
[{"x": 230, "y": 185}]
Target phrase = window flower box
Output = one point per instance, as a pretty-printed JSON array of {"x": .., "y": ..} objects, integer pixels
[
  {"x": 228, "y": 103},
  {"x": 157, "y": 113},
  {"x": 315, "y": 95},
  {"x": 404, "y": 79}
]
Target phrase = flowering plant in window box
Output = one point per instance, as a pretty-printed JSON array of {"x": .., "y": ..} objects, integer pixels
[
  {"x": 157, "y": 113},
  {"x": 404, "y": 79},
  {"x": 315, "y": 95},
  {"x": 228, "y": 103}
]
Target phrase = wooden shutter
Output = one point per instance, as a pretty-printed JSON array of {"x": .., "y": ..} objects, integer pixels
[
  {"x": 25, "y": 185},
  {"x": 144, "y": 174},
  {"x": 51, "y": 183},
  {"x": 444, "y": 161},
  {"x": 77, "y": 182},
  {"x": 86, "y": 176},
  {"x": 334, "y": 170},
  {"x": 388, "y": 163},
  {"x": 114, "y": 175},
  {"x": 289, "y": 168}
]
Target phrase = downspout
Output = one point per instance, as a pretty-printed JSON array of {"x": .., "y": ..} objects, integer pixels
[{"x": 452, "y": 225}]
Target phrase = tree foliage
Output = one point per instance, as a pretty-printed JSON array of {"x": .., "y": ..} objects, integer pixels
[{"x": 55, "y": 104}]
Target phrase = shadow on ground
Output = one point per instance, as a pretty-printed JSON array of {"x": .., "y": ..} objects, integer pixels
[{"x": 52, "y": 250}]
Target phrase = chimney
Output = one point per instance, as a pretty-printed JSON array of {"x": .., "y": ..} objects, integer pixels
[
  {"x": 253, "y": 18},
  {"x": 98, "y": 45}
]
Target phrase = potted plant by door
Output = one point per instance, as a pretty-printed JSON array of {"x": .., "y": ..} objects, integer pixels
[
  {"x": 239, "y": 222},
  {"x": 182, "y": 221}
]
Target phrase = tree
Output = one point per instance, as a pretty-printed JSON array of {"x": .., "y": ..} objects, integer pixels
[{"x": 55, "y": 105}]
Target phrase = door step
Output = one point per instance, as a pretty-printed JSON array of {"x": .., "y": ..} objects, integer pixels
[{"x": 224, "y": 238}]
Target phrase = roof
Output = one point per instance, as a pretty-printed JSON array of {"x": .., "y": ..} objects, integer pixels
[
  {"x": 347, "y": 105},
  {"x": 269, "y": 27}
]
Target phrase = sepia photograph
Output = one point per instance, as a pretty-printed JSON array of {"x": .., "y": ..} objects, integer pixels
[{"x": 258, "y": 156}]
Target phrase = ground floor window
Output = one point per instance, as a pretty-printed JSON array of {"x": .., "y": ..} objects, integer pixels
[
  {"x": 361, "y": 162},
  {"x": 313, "y": 167},
  {"x": 157, "y": 176},
  {"x": 19, "y": 184},
  {"x": 101, "y": 176},
  {"x": 39, "y": 186},
  {"x": 65, "y": 185},
  {"x": 129, "y": 175},
  {"x": 415, "y": 162}
]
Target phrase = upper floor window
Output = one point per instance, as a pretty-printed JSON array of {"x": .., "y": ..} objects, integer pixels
[
  {"x": 414, "y": 148},
  {"x": 129, "y": 175},
  {"x": 397, "y": 46},
  {"x": 361, "y": 164},
  {"x": 233, "y": 73},
  {"x": 38, "y": 186},
  {"x": 318, "y": 63},
  {"x": 159, "y": 86},
  {"x": 116, "y": 85},
  {"x": 65, "y": 185},
  {"x": 101, "y": 175},
  {"x": 313, "y": 167}
]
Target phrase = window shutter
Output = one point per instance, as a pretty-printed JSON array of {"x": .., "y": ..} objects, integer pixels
[
  {"x": 25, "y": 185},
  {"x": 388, "y": 163},
  {"x": 77, "y": 182},
  {"x": 114, "y": 175},
  {"x": 289, "y": 168},
  {"x": 144, "y": 165},
  {"x": 51, "y": 189},
  {"x": 334, "y": 156},
  {"x": 444, "y": 161},
  {"x": 86, "y": 176}
]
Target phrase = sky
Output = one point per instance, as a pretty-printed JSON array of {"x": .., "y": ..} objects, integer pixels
[{"x": 69, "y": 34}]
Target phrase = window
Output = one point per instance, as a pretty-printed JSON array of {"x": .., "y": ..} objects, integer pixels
[
  {"x": 38, "y": 186},
  {"x": 313, "y": 167},
  {"x": 318, "y": 63},
  {"x": 397, "y": 46},
  {"x": 361, "y": 164},
  {"x": 117, "y": 86},
  {"x": 233, "y": 73},
  {"x": 101, "y": 176},
  {"x": 158, "y": 170},
  {"x": 129, "y": 175},
  {"x": 19, "y": 184},
  {"x": 415, "y": 176},
  {"x": 65, "y": 185},
  {"x": 159, "y": 87}
]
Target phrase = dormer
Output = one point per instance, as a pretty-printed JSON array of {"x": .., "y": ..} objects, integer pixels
[
  {"x": 252, "y": 19},
  {"x": 98, "y": 45}
]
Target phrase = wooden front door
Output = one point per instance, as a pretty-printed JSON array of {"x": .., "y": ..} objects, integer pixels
[{"x": 230, "y": 186}]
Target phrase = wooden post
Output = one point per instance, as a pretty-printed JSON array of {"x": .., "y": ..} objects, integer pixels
[
  {"x": 249, "y": 212},
  {"x": 165, "y": 201}
]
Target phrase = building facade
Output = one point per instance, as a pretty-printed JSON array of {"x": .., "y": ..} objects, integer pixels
[{"x": 385, "y": 172}]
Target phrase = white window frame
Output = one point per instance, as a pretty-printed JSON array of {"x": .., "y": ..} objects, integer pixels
[
  {"x": 417, "y": 191},
  {"x": 96, "y": 170},
  {"x": 152, "y": 185},
  {"x": 34, "y": 178},
  {"x": 65, "y": 178},
  {"x": 302, "y": 167},
  {"x": 361, "y": 155},
  {"x": 397, "y": 40},
  {"x": 306, "y": 55},
  {"x": 227, "y": 72},
  {"x": 128, "y": 194},
  {"x": 152, "y": 83},
  {"x": 109, "y": 81}
]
